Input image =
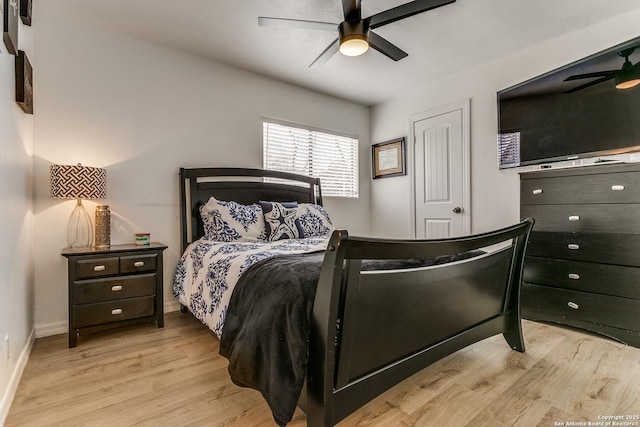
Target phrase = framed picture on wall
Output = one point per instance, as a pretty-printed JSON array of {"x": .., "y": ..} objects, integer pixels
[
  {"x": 24, "y": 82},
  {"x": 10, "y": 25},
  {"x": 388, "y": 158},
  {"x": 25, "y": 11}
]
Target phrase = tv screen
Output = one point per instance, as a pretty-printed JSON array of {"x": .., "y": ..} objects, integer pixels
[{"x": 573, "y": 112}]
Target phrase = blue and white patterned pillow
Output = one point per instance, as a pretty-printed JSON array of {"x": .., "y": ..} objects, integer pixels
[
  {"x": 314, "y": 220},
  {"x": 230, "y": 221},
  {"x": 281, "y": 220}
]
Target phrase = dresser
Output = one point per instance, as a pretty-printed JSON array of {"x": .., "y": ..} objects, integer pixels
[
  {"x": 583, "y": 259},
  {"x": 114, "y": 286}
]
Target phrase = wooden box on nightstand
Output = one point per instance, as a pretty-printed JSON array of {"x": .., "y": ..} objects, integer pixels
[{"x": 113, "y": 286}]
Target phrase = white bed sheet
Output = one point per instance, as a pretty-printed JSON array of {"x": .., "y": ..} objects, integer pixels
[{"x": 209, "y": 270}]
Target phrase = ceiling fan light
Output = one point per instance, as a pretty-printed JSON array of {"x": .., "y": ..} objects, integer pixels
[
  {"x": 354, "y": 39},
  {"x": 628, "y": 84},
  {"x": 628, "y": 78},
  {"x": 354, "y": 45}
]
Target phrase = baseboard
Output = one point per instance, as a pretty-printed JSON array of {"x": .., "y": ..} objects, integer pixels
[
  {"x": 171, "y": 306},
  {"x": 49, "y": 329},
  {"x": 12, "y": 387}
]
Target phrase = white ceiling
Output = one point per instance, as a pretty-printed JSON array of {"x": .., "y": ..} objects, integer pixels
[{"x": 439, "y": 42}]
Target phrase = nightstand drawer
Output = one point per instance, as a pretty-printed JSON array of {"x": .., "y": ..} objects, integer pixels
[
  {"x": 575, "y": 307},
  {"x": 604, "y": 279},
  {"x": 135, "y": 263},
  {"x": 99, "y": 290},
  {"x": 96, "y": 267},
  {"x": 112, "y": 311}
]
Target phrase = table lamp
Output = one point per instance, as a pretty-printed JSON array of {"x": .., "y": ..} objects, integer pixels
[{"x": 78, "y": 182}]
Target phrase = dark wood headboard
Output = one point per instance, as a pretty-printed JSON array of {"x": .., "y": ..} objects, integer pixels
[{"x": 240, "y": 185}]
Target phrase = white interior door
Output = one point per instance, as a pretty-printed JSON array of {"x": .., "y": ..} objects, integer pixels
[{"x": 441, "y": 174}]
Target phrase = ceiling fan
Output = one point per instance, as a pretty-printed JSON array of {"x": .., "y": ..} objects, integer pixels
[
  {"x": 626, "y": 77},
  {"x": 354, "y": 33}
]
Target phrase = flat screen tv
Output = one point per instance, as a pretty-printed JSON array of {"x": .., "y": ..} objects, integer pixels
[{"x": 573, "y": 112}]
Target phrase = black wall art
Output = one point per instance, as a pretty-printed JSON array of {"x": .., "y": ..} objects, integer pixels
[
  {"x": 24, "y": 83},
  {"x": 10, "y": 25}
]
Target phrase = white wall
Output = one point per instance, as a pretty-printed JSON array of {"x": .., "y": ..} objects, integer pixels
[
  {"x": 142, "y": 111},
  {"x": 494, "y": 193},
  {"x": 16, "y": 227}
]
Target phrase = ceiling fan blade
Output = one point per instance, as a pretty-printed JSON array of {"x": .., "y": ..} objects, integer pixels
[
  {"x": 352, "y": 10},
  {"x": 586, "y": 85},
  {"x": 404, "y": 11},
  {"x": 266, "y": 21},
  {"x": 607, "y": 74},
  {"x": 326, "y": 54},
  {"x": 385, "y": 47}
]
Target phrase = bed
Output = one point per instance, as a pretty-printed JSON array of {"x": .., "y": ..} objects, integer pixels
[{"x": 324, "y": 320}]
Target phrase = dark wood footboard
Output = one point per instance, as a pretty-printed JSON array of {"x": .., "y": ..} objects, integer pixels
[{"x": 372, "y": 329}]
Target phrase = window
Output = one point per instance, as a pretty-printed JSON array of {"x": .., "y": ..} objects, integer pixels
[
  {"x": 509, "y": 149},
  {"x": 330, "y": 157}
]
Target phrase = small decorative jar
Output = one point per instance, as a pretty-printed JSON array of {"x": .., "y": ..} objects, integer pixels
[
  {"x": 103, "y": 226},
  {"x": 143, "y": 239}
]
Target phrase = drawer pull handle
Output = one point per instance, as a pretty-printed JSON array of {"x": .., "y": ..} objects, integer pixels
[
  {"x": 116, "y": 311},
  {"x": 574, "y": 218},
  {"x": 537, "y": 191},
  {"x": 99, "y": 268},
  {"x": 617, "y": 187},
  {"x": 138, "y": 264},
  {"x": 573, "y": 305},
  {"x": 573, "y": 246},
  {"x": 116, "y": 288},
  {"x": 574, "y": 276}
]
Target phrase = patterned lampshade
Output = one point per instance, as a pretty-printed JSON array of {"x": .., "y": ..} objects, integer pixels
[{"x": 78, "y": 182}]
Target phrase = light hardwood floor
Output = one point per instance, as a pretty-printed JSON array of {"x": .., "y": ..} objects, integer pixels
[{"x": 144, "y": 376}]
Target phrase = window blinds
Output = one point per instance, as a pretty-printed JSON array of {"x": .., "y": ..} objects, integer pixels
[
  {"x": 509, "y": 149},
  {"x": 332, "y": 158}
]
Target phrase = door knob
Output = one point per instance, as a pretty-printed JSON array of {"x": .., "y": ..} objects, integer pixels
[{"x": 457, "y": 209}]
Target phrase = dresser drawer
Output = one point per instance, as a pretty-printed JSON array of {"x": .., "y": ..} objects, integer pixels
[
  {"x": 112, "y": 311},
  {"x": 579, "y": 308},
  {"x": 623, "y": 187},
  {"x": 606, "y": 279},
  {"x": 139, "y": 262},
  {"x": 107, "y": 289},
  {"x": 603, "y": 218},
  {"x": 619, "y": 249},
  {"x": 96, "y": 267}
]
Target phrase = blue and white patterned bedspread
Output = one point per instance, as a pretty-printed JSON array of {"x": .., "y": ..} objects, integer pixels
[{"x": 209, "y": 270}]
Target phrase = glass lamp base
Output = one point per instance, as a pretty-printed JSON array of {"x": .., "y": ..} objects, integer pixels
[{"x": 79, "y": 228}]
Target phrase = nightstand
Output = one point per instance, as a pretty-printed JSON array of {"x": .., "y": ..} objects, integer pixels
[{"x": 114, "y": 286}]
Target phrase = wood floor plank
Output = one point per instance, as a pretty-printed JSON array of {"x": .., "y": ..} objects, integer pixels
[
  {"x": 144, "y": 376},
  {"x": 555, "y": 417},
  {"x": 567, "y": 379}
]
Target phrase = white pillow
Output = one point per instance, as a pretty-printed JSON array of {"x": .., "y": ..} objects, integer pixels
[
  {"x": 314, "y": 220},
  {"x": 230, "y": 221}
]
